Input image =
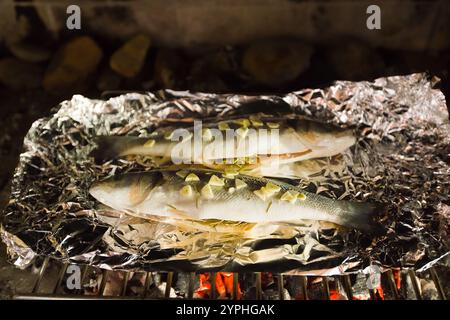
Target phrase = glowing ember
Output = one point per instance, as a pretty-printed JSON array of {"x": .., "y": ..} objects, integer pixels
[
  {"x": 397, "y": 277},
  {"x": 224, "y": 286},
  {"x": 336, "y": 295},
  {"x": 379, "y": 294}
]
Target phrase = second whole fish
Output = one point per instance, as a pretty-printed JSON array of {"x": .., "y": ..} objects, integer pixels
[
  {"x": 207, "y": 194},
  {"x": 254, "y": 140}
]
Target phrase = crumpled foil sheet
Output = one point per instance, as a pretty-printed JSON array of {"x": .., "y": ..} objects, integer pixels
[{"x": 401, "y": 159}]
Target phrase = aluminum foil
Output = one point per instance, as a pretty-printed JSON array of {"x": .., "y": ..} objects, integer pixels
[{"x": 401, "y": 159}]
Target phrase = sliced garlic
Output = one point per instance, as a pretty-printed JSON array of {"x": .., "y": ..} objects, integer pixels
[
  {"x": 223, "y": 126},
  {"x": 242, "y": 132},
  {"x": 239, "y": 184},
  {"x": 261, "y": 194},
  {"x": 290, "y": 196},
  {"x": 273, "y": 125},
  {"x": 168, "y": 135},
  {"x": 150, "y": 143},
  {"x": 268, "y": 207},
  {"x": 272, "y": 188},
  {"x": 186, "y": 191},
  {"x": 192, "y": 177},
  {"x": 216, "y": 181},
  {"x": 242, "y": 122},
  {"x": 302, "y": 196},
  {"x": 207, "y": 135},
  {"x": 240, "y": 161},
  {"x": 207, "y": 192},
  {"x": 257, "y": 123},
  {"x": 182, "y": 173},
  {"x": 266, "y": 191}
]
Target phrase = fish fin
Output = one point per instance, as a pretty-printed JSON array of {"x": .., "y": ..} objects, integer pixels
[
  {"x": 362, "y": 215},
  {"x": 178, "y": 213}
]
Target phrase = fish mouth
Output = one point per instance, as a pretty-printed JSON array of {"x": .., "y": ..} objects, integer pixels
[
  {"x": 96, "y": 191},
  {"x": 99, "y": 190}
]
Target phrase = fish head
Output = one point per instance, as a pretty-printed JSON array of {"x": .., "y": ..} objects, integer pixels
[
  {"x": 125, "y": 191},
  {"x": 330, "y": 139}
]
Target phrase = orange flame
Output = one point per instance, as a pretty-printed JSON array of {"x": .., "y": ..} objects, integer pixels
[
  {"x": 336, "y": 295},
  {"x": 224, "y": 285},
  {"x": 379, "y": 294},
  {"x": 397, "y": 277}
]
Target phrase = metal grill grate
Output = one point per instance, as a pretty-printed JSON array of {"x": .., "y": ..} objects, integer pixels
[
  {"x": 303, "y": 283},
  {"x": 307, "y": 286}
]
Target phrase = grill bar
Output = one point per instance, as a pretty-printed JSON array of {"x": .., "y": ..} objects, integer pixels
[
  {"x": 235, "y": 286},
  {"x": 372, "y": 294},
  {"x": 169, "y": 285},
  {"x": 258, "y": 286},
  {"x": 437, "y": 283},
  {"x": 280, "y": 287},
  {"x": 125, "y": 283},
  {"x": 41, "y": 273},
  {"x": 392, "y": 284},
  {"x": 62, "y": 272},
  {"x": 191, "y": 285},
  {"x": 84, "y": 273},
  {"x": 326, "y": 288},
  {"x": 123, "y": 280},
  {"x": 148, "y": 277},
  {"x": 415, "y": 284},
  {"x": 304, "y": 285},
  {"x": 213, "y": 285},
  {"x": 101, "y": 290},
  {"x": 346, "y": 283}
]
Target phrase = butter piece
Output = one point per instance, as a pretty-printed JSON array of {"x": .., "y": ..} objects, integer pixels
[
  {"x": 239, "y": 184},
  {"x": 207, "y": 192},
  {"x": 150, "y": 143},
  {"x": 186, "y": 191}
]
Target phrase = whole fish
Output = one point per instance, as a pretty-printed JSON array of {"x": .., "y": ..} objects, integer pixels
[
  {"x": 206, "y": 194},
  {"x": 252, "y": 140}
]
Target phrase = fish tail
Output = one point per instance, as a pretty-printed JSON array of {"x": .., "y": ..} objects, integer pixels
[
  {"x": 111, "y": 147},
  {"x": 362, "y": 215}
]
